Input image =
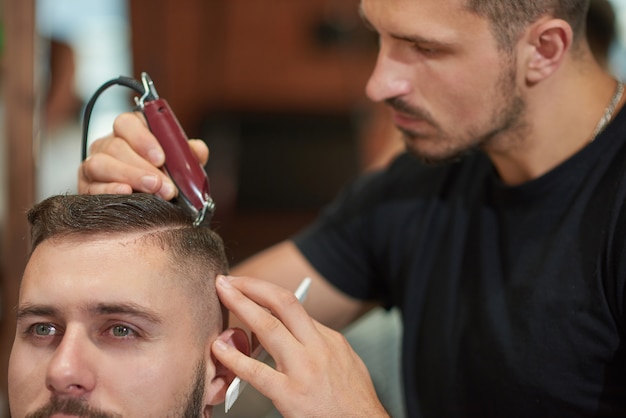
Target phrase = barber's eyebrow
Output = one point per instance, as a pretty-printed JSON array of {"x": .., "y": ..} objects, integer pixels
[
  {"x": 97, "y": 309},
  {"x": 414, "y": 39}
]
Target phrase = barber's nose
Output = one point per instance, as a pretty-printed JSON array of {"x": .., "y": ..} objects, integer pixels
[
  {"x": 387, "y": 80},
  {"x": 70, "y": 371}
]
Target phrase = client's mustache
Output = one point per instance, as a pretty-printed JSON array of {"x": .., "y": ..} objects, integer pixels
[{"x": 70, "y": 406}]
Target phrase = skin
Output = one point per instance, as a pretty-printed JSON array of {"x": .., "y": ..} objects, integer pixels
[
  {"x": 90, "y": 333},
  {"x": 450, "y": 90}
]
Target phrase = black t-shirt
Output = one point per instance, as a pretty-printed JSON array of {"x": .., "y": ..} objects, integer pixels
[{"x": 512, "y": 298}]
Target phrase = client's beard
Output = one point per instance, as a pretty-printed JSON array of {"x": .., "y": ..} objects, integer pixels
[{"x": 192, "y": 407}]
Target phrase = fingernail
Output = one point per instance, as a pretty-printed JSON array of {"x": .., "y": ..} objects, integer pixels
[
  {"x": 167, "y": 190},
  {"x": 224, "y": 282},
  {"x": 149, "y": 182},
  {"x": 155, "y": 157},
  {"x": 123, "y": 189},
  {"x": 221, "y": 345}
]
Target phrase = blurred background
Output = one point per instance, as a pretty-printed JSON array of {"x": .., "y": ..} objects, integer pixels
[{"x": 275, "y": 88}]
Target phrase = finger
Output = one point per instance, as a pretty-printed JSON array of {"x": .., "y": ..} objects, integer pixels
[
  {"x": 133, "y": 129},
  {"x": 104, "y": 188},
  {"x": 282, "y": 303},
  {"x": 264, "y": 378},
  {"x": 139, "y": 175},
  {"x": 271, "y": 332},
  {"x": 200, "y": 150}
]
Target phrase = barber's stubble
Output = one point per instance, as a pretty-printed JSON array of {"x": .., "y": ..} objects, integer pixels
[{"x": 508, "y": 117}]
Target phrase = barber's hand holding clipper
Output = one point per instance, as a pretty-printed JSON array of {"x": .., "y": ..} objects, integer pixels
[
  {"x": 130, "y": 159},
  {"x": 317, "y": 373}
]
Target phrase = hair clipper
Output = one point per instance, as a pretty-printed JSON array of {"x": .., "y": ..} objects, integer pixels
[{"x": 187, "y": 174}]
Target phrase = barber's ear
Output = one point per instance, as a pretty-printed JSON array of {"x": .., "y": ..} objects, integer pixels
[
  {"x": 217, "y": 385},
  {"x": 548, "y": 42}
]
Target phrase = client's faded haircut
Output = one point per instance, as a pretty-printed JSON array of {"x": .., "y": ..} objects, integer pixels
[{"x": 197, "y": 253}]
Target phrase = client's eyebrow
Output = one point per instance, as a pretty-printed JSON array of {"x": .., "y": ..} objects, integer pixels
[
  {"x": 125, "y": 309},
  {"x": 97, "y": 309},
  {"x": 35, "y": 310}
]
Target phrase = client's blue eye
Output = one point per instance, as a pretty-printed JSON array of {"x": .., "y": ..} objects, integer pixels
[
  {"x": 122, "y": 331},
  {"x": 44, "y": 329}
]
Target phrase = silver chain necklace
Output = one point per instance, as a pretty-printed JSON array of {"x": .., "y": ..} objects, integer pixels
[{"x": 610, "y": 109}]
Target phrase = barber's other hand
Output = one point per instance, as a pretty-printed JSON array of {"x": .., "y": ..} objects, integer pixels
[
  {"x": 317, "y": 373},
  {"x": 130, "y": 159}
]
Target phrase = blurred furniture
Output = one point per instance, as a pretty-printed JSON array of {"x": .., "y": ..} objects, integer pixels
[{"x": 309, "y": 55}]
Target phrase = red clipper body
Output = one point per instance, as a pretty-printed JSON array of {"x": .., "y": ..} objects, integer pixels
[{"x": 188, "y": 175}]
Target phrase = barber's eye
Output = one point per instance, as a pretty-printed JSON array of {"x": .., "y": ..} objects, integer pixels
[
  {"x": 44, "y": 330},
  {"x": 121, "y": 331},
  {"x": 426, "y": 50}
]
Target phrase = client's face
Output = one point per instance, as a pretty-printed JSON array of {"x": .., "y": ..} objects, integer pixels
[{"x": 105, "y": 329}]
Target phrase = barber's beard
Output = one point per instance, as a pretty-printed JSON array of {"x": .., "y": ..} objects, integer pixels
[
  {"x": 191, "y": 407},
  {"x": 507, "y": 118}
]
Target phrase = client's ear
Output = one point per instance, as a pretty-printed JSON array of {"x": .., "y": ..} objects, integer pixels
[{"x": 218, "y": 384}]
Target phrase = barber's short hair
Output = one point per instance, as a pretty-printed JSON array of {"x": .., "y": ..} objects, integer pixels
[
  {"x": 508, "y": 18},
  {"x": 196, "y": 252}
]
